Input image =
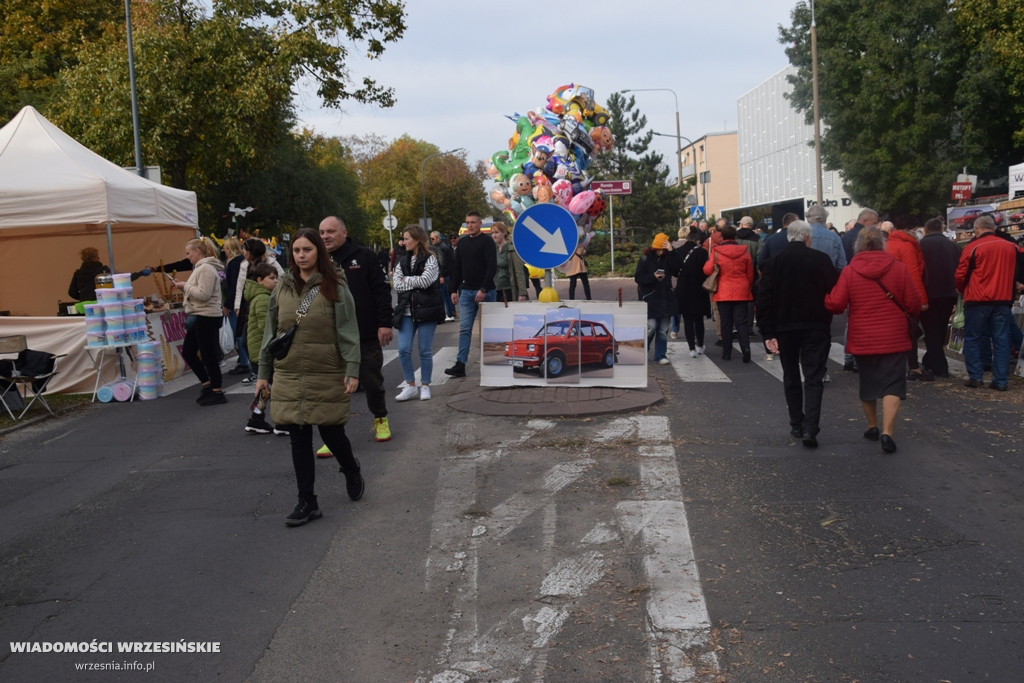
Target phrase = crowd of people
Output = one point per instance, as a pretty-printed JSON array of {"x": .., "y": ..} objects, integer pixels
[
  {"x": 310, "y": 335},
  {"x": 894, "y": 286}
]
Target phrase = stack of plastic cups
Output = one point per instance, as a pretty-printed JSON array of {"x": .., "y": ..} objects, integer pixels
[
  {"x": 95, "y": 327},
  {"x": 134, "y": 319},
  {"x": 150, "y": 377},
  {"x": 115, "y": 329}
]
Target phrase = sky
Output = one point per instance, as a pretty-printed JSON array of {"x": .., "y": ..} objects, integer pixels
[{"x": 463, "y": 65}]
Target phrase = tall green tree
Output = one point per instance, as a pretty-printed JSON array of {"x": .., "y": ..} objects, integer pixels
[
  {"x": 653, "y": 206},
  {"x": 215, "y": 90},
  {"x": 452, "y": 187},
  {"x": 900, "y": 120}
]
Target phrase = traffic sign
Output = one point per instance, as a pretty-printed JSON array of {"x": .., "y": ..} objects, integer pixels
[
  {"x": 388, "y": 204},
  {"x": 545, "y": 235},
  {"x": 697, "y": 212},
  {"x": 961, "y": 190},
  {"x": 613, "y": 186},
  {"x": 390, "y": 223}
]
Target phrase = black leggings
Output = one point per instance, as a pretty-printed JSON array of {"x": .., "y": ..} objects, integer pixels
[
  {"x": 586, "y": 285},
  {"x": 201, "y": 349},
  {"x": 304, "y": 460},
  {"x": 693, "y": 326}
]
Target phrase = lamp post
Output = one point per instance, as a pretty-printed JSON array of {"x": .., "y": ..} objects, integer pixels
[
  {"x": 679, "y": 138},
  {"x": 817, "y": 118},
  {"x": 696, "y": 173},
  {"x": 423, "y": 179}
]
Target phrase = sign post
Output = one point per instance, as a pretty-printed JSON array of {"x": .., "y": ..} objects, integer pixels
[
  {"x": 612, "y": 187},
  {"x": 390, "y": 223}
]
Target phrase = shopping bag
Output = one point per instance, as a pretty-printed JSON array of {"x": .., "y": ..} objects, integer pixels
[{"x": 227, "y": 336}]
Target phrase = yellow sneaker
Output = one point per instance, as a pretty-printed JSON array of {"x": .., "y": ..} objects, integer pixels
[
  {"x": 381, "y": 429},
  {"x": 324, "y": 452}
]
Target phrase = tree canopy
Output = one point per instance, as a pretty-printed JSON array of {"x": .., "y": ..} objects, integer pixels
[
  {"x": 653, "y": 206},
  {"x": 452, "y": 187},
  {"x": 905, "y": 104}
]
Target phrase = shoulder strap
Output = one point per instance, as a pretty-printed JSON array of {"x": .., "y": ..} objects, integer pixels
[
  {"x": 889, "y": 295},
  {"x": 306, "y": 303}
]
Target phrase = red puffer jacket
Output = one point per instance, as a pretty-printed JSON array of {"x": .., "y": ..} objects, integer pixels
[
  {"x": 877, "y": 325},
  {"x": 905, "y": 248},
  {"x": 735, "y": 274}
]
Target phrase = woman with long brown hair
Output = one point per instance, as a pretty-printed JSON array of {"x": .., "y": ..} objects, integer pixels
[
  {"x": 420, "y": 308},
  {"x": 313, "y": 383}
]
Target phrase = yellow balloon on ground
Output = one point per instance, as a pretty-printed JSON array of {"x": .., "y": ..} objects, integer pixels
[{"x": 548, "y": 295}]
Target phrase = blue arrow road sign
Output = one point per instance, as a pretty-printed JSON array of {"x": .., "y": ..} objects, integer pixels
[{"x": 545, "y": 235}]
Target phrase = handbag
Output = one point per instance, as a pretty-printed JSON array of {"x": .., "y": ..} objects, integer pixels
[
  {"x": 279, "y": 346},
  {"x": 710, "y": 283}
]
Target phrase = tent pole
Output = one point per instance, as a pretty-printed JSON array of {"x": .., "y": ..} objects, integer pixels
[{"x": 110, "y": 248}]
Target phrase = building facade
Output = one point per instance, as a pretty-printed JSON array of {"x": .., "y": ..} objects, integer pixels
[{"x": 709, "y": 163}]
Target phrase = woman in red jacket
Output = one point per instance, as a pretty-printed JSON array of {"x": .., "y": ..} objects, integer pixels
[
  {"x": 903, "y": 245},
  {"x": 735, "y": 279},
  {"x": 880, "y": 294}
]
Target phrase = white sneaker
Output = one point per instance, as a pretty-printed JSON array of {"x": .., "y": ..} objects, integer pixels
[
  {"x": 424, "y": 392},
  {"x": 700, "y": 350},
  {"x": 403, "y": 385},
  {"x": 449, "y": 319},
  {"x": 693, "y": 354},
  {"x": 673, "y": 336},
  {"x": 769, "y": 356},
  {"x": 407, "y": 393},
  {"x": 664, "y": 361}
]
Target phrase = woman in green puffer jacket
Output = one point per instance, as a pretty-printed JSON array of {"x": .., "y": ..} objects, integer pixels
[{"x": 313, "y": 383}]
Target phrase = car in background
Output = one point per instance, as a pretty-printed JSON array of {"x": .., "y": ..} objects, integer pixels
[
  {"x": 967, "y": 218},
  {"x": 561, "y": 344}
]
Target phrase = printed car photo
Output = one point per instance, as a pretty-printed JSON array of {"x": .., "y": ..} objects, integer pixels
[{"x": 569, "y": 343}]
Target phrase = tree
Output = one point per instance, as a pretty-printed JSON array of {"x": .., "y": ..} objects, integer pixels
[
  {"x": 452, "y": 187},
  {"x": 899, "y": 118},
  {"x": 215, "y": 91},
  {"x": 39, "y": 39},
  {"x": 994, "y": 31},
  {"x": 653, "y": 206}
]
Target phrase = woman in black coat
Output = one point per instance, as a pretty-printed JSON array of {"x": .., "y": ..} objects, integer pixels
[
  {"x": 692, "y": 299},
  {"x": 654, "y": 273}
]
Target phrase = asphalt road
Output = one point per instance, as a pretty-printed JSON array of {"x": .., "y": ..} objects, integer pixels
[{"x": 693, "y": 541}]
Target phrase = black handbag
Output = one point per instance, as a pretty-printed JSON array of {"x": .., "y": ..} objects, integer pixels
[{"x": 279, "y": 346}]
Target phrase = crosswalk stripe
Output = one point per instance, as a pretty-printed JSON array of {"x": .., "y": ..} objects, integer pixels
[{"x": 699, "y": 369}]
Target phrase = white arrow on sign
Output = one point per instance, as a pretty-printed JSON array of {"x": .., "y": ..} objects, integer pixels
[
  {"x": 553, "y": 243},
  {"x": 388, "y": 204}
]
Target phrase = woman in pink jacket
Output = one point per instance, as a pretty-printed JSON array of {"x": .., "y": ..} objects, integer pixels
[
  {"x": 735, "y": 279},
  {"x": 880, "y": 294}
]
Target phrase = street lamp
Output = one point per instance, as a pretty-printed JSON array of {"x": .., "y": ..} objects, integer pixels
[
  {"x": 817, "y": 117},
  {"x": 423, "y": 179},
  {"x": 679, "y": 138}
]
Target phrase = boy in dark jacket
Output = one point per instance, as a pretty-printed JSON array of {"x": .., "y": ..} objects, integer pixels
[{"x": 257, "y": 293}]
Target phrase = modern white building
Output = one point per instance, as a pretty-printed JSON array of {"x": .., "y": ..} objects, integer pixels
[{"x": 776, "y": 154}]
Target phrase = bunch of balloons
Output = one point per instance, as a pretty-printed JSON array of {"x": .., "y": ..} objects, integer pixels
[{"x": 548, "y": 155}]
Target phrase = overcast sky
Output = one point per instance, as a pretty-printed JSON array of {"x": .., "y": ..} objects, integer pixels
[{"x": 464, "y": 64}]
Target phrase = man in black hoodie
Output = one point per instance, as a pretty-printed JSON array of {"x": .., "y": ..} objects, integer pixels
[{"x": 372, "y": 293}]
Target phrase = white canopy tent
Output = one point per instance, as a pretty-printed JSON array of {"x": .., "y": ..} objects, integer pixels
[{"x": 57, "y": 196}]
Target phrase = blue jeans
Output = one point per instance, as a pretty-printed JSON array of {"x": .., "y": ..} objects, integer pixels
[
  {"x": 992, "y": 322},
  {"x": 240, "y": 341},
  {"x": 449, "y": 307},
  {"x": 407, "y": 329},
  {"x": 658, "y": 329},
  {"x": 468, "y": 308}
]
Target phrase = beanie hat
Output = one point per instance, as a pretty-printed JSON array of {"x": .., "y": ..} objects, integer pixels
[{"x": 660, "y": 241}]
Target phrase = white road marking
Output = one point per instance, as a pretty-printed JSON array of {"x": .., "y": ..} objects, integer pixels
[{"x": 699, "y": 369}]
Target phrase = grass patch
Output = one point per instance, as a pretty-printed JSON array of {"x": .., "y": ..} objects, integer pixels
[
  {"x": 619, "y": 481},
  {"x": 61, "y": 403}
]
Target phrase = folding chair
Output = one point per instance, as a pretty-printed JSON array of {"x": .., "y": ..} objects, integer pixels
[{"x": 27, "y": 376}]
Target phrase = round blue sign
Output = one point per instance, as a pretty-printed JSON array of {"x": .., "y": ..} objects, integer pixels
[{"x": 545, "y": 236}]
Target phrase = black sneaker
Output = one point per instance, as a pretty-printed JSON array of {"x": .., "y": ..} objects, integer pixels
[
  {"x": 257, "y": 424},
  {"x": 240, "y": 370},
  {"x": 457, "y": 370},
  {"x": 354, "y": 483},
  {"x": 203, "y": 393},
  {"x": 250, "y": 379},
  {"x": 305, "y": 511},
  {"x": 213, "y": 398}
]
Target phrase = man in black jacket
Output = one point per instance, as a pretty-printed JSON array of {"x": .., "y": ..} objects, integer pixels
[
  {"x": 795, "y": 325},
  {"x": 372, "y": 294},
  {"x": 472, "y": 283}
]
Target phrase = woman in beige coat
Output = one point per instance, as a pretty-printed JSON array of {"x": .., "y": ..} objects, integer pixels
[
  {"x": 313, "y": 383},
  {"x": 201, "y": 346}
]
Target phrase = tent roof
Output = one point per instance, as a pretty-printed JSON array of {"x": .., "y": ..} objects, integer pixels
[{"x": 48, "y": 179}]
